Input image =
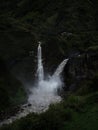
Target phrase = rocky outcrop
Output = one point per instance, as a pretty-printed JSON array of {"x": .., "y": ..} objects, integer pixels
[{"x": 81, "y": 67}]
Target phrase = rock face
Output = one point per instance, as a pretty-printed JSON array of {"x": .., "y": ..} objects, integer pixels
[{"x": 81, "y": 67}]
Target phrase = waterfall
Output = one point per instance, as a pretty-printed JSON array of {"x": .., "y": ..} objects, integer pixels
[
  {"x": 43, "y": 93},
  {"x": 40, "y": 70},
  {"x": 60, "y": 68}
]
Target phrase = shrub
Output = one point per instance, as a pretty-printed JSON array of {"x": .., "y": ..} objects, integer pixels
[{"x": 76, "y": 102}]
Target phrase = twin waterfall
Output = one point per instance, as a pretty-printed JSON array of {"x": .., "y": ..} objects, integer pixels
[
  {"x": 40, "y": 69},
  {"x": 43, "y": 93}
]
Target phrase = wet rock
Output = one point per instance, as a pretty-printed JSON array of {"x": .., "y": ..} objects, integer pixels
[
  {"x": 29, "y": 105},
  {"x": 79, "y": 68}
]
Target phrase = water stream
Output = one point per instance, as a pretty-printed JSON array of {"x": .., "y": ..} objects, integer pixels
[{"x": 43, "y": 93}]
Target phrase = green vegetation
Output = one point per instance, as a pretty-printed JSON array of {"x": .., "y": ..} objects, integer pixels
[
  {"x": 93, "y": 48},
  {"x": 11, "y": 90},
  {"x": 65, "y": 27},
  {"x": 77, "y": 112},
  {"x": 68, "y": 25}
]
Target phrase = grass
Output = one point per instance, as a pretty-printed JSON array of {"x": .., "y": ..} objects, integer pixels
[{"x": 85, "y": 121}]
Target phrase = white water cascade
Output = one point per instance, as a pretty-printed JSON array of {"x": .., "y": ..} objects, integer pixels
[
  {"x": 60, "y": 68},
  {"x": 40, "y": 70},
  {"x": 43, "y": 93}
]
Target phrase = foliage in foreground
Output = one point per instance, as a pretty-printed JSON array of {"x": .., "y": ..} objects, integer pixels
[{"x": 75, "y": 112}]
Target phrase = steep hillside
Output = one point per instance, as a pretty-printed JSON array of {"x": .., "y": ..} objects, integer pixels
[
  {"x": 12, "y": 92},
  {"x": 67, "y": 29}
]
